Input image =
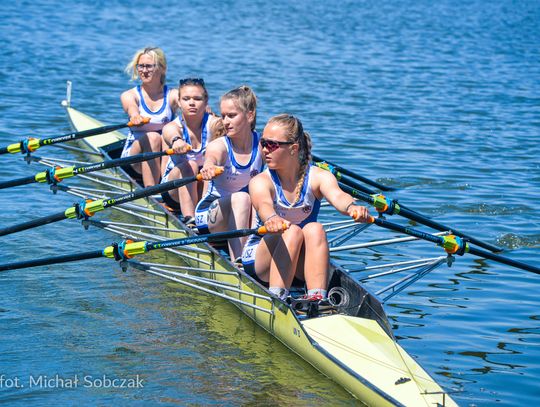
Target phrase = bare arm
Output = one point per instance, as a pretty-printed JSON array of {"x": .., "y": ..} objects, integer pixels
[
  {"x": 173, "y": 131},
  {"x": 214, "y": 156},
  {"x": 327, "y": 185},
  {"x": 130, "y": 103},
  {"x": 217, "y": 129},
  {"x": 261, "y": 192},
  {"x": 173, "y": 100}
]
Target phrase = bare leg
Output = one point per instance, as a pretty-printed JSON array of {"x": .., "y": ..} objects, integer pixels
[
  {"x": 315, "y": 258},
  {"x": 187, "y": 195},
  {"x": 231, "y": 213},
  {"x": 277, "y": 257},
  {"x": 151, "y": 170}
]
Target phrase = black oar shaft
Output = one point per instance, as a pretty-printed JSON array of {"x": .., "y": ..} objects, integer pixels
[
  {"x": 18, "y": 181},
  {"x": 52, "y": 260},
  {"x": 504, "y": 260},
  {"x": 153, "y": 190},
  {"x": 33, "y": 144},
  {"x": 120, "y": 161},
  {"x": 351, "y": 174},
  {"x": 45, "y": 220},
  {"x": 98, "y": 205},
  {"x": 413, "y": 215},
  {"x": 438, "y": 240},
  {"x": 214, "y": 237}
]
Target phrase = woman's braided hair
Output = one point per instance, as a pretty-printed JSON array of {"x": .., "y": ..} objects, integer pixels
[{"x": 294, "y": 131}]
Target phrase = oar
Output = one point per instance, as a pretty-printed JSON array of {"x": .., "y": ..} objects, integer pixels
[
  {"x": 453, "y": 244},
  {"x": 56, "y": 174},
  {"x": 391, "y": 207},
  {"x": 88, "y": 208},
  {"x": 127, "y": 249},
  {"x": 32, "y": 144},
  {"x": 339, "y": 172}
]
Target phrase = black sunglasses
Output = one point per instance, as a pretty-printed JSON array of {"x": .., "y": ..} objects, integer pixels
[
  {"x": 191, "y": 81},
  {"x": 273, "y": 145}
]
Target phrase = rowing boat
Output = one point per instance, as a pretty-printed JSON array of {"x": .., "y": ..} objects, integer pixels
[{"x": 349, "y": 340}]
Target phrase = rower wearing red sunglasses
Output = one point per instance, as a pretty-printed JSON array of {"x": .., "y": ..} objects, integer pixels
[{"x": 290, "y": 191}]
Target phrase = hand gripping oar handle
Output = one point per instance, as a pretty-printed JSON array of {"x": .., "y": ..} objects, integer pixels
[
  {"x": 453, "y": 244},
  {"x": 32, "y": 144},
  {"x": 339, "y": 171},
  {"x": 127, "y": 249},
  {"x": 89, "y": 207},
  {"x": 391, "y": 207}
]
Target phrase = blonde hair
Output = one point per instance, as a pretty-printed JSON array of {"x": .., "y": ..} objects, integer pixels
[
  {"x": 157, "y": 55},
  {"x": 245, "y": 99},
  {"x": 294, "y": 131}
]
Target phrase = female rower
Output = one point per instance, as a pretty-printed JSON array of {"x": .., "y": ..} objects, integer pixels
[
  {"x": 226, "y": 205},
  {"x": 195, "y": 128},
  {"x": 153, "y": 99},
  {"x": 289, "y": 192}
]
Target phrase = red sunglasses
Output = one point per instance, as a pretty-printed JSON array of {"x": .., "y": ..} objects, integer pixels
[{"x": 273, "y": 145}]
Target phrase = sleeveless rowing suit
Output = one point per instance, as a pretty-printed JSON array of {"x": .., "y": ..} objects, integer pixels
[
  {"x": 304, "y": 211},
  {"x": 193, "y": 155},
  {"x": 235, "y": 178},
  {"x": 158, "y": 119}
]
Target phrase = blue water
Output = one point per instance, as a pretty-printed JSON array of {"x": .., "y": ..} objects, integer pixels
[{"x": 440, "y": 100}]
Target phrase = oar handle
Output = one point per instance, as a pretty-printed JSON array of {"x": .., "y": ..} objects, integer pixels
[
  {"x": 262, "y": 230},
  {"x": 145, "y": 120}
]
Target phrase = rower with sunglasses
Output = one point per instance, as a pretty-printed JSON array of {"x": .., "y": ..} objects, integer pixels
[
  {"x": 289, "y": 192},
  {"x": 153, "y": 99},
  {"x": 194, "y": 129},
  {"x": 226, "y": 205}
]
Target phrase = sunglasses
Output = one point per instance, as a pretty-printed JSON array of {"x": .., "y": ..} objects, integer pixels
[
  {"x": 191, "y": 81},
  {"x": 273, "y": 145},
  {"x": 148, "y": 67}
]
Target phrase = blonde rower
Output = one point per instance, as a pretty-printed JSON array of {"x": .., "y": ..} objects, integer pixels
[
  {"x": 226, "y": 205},
  {"x": 290, "y": 191},
  {"x": 153, "y": 99}
]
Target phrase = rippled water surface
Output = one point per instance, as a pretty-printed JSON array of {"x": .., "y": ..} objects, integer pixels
[{"x": 440, "y": 100}]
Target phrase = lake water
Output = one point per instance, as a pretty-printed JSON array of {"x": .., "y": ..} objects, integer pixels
[{"x": 440, "y": 100}]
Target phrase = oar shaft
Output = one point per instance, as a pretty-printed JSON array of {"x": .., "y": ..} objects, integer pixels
[
  {"x": 439, "y": 240},
  {"x": 51, "y": 260},
  {"x": 120, "y": 161},
  {"x": 358, "y": 177},
  {"x": 413, "y": 215},
  {"x": 153, "y": 190},
  {"x": 45, "y": 220},
  {"x": 33, "y": 144},
  {"x": 214, "y": 237},
  {"x": 18, "y": 181},
  {"x": 504, "y": 260}
]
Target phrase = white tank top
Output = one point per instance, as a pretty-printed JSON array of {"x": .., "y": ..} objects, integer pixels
[
  {"x": 158, "y": 118},
  {"x": 236, "y": 177},
  {"x": 305, "y": 210}
]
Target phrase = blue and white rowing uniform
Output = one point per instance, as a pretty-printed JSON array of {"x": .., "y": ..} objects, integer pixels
[
  {"x": 304, "y": 211},
  {"x": 193, "y": 155},
  {"x": 158, "y": 119},
  {"x": 235, "y": 178}
]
